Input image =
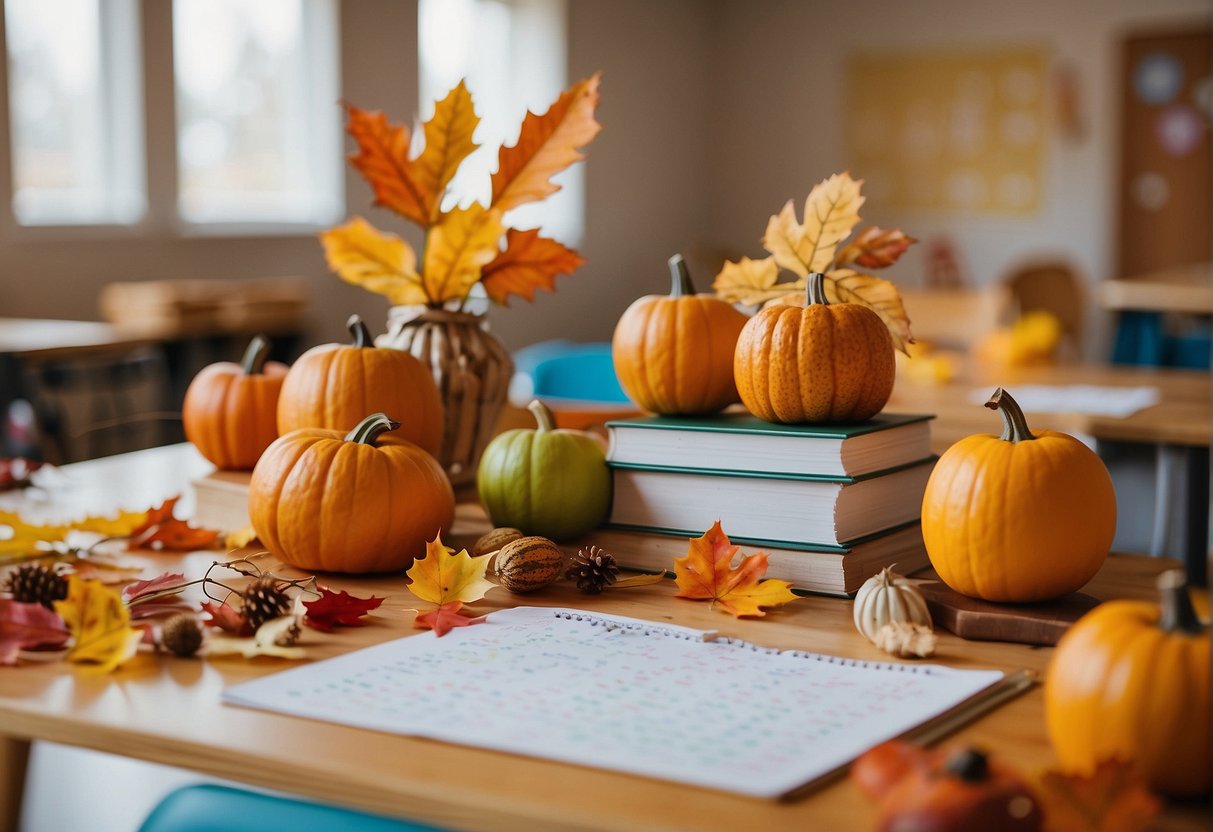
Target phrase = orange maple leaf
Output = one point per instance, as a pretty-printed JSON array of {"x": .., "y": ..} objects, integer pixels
[
  {"x": 706, "y": 572},
  {"x": 161, "y": 530},
  {"x": 874, "y": 248},
  {"x": 529, "y": 262},
  {"x": 1113, "y": 799},
  {"x": 546, "y": 145},
  {"x": 445, "y": 618},
  {"x": 383, "y": 160}
]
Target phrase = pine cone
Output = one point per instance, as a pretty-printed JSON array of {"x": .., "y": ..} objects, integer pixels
[
  {"x": 265, "y": 600},
  {"x": 182, "y": 634},
  {"x": 37, "y": 584},
  {"x": 593, "y": 570}
]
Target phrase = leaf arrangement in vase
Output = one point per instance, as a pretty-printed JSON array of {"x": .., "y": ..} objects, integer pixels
[{"x": 463, "y": 244}]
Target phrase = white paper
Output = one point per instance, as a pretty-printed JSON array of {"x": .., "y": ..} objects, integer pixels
[
  {"x": 622, "y": 694},
  {"x": 1087, "y": 399}
]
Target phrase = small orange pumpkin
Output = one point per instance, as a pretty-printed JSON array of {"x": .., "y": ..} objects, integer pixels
[
  {"x": 1131, "y": 680},
  {"x": 362, "y": 502},
  {"x": 673, "y": 353},
  {"x": 230, "y": 409},
  {"x": 821, "y": 363},
  {"x": 1019, "y": 517},
  {"x": 335, "y": 385}
]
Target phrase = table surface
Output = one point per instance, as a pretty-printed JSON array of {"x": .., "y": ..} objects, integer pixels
[
  {"x": 168, "y": 710},
  {"x": 1183, "y": 416},
  {"x": 34, "y": 336},
  {"x": 1186, "y": 289}
]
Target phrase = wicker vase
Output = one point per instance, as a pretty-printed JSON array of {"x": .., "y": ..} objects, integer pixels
[{"x": 472, "y": 369}]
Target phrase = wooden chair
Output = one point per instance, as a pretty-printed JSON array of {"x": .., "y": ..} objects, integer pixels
[{"x": 1054, "y": 287}]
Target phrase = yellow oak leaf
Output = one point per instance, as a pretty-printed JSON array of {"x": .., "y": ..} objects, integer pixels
[
  {"x": 240, "y": 538},
  {"x": 707, "y": 573},
  {"x": 457, "y": 249},
  {"x": 442, "y": 576},
  {"x": 1113, "y": 799},
  {"x": 875, "y": 248},
  {"x": 752, "y": 282},
  {"x": 546, "y": 145},
  {"x": 100, "y": 624},
  {"x": 379, "y": 262},
  {"x": 529, "y": 262},
  {"x": 448, "y": 141},
  {"x": 830, "y": 213},
  {"x": 275, "y": 638},
  {"x": 876, "y": 293},
  {"x": 24, "y": 537},
  {"x": 383, "y": 160}
]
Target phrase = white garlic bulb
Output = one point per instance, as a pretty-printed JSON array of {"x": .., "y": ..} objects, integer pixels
[{"x": 887, "y": 598}]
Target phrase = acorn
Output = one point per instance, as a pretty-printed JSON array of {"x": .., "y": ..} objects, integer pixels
[{"x": 182, "y": 635}]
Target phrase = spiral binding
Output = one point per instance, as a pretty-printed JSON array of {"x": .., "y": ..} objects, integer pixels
[{"x": 658, "y": 630}]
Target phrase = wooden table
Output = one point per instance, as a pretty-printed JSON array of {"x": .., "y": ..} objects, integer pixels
[
  {"x": 1187, "y": 289},
  {"x": 168, "y": 710}
]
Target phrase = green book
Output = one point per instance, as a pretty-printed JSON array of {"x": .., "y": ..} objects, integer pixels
[{"x": 741, "y": 443}]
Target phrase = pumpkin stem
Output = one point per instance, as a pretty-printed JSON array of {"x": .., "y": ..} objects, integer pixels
[
  {"x": 543, "y": 416},
  {"x": 362, "y": 335},
  {"x": 255, "y": 354},
  {"x": 815, "y": 289},
  {"x": 969, "y": 765},
  {"x": 1014, "y": 425},
  {"x": 1178, "y": 615},
  {"x": 680, "y": 278},
  {"x": 368, "y": 430}
]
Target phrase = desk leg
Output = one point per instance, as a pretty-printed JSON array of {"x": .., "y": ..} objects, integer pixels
[
  {"x": 1181, "y": 508},
  {"x": 14, "y": 757}
]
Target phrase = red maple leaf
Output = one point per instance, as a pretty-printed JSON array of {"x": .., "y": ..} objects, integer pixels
[
  {"x": 445, "y": 618},
  {"x": 337, "y": 608},
  {"x": 28, "y": 625},
  {"x": 227, "y": 618},
  {"x": 156, "y": 596},
  {"x": 161, "y": 530}
]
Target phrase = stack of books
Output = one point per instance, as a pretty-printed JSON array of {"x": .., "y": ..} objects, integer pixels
[{"x": 831, "y": 504}]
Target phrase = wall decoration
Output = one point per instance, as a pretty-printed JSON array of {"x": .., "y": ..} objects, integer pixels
[
  {"x": 961, "y": 131},
  {"x": 1157, "y": 78}
]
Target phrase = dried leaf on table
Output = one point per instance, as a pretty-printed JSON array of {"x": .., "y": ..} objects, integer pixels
[
  {"x": 875, "y": 248},
  {"x": 546, "y": 145},
  {"x": 156, "y": 596},
  {"x": 707, "y": 573},
  {"x": 463, "y": 242},
  {"x": 275, "y": 638},
  {"x": 445, "y": 618},
  {"x": 227, "y": 618},
  {"x": 26, "y": 536},
  {"x": 1113, "y": 799},
  {"x": 240, "y": 538},
  {"x": 108, "y": 572},
  {"x": 442, "y": 576},
  {"x": 528, "y": 263},
  {"x": 448, "y": 141},
  {"x": 753, "y": 282},
  {"x": 23, "y": 626},
  {"x": 377, "y": 261},
  {"x": 100, "y": 624},
  {"x": 383, "y": 160},
  {"x": 876, "y": 293},
  {"x": 830, "y": 213},
  {"x": 333, "y": 609},
  {"x": 161, "y": 530}
]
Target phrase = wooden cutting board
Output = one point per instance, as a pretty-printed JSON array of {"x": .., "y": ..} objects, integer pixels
[{"x": 977, "y": 620}]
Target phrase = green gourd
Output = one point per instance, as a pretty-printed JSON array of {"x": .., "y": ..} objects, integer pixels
[{"x": 550, "y": 482}]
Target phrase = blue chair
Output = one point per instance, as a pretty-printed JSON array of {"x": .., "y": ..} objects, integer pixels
[
  {"x": 212, "y": 808},
  {"x": 587, "y": 375}
]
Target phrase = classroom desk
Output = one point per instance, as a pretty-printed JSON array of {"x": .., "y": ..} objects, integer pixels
[{"x": 168, "y": 710}]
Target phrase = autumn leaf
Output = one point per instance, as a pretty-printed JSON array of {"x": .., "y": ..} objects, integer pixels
[
  {"x": 337, "y": 608},
  {"x": 240, "y": 538},
  {"x": 874, "y": 248},
  {"x": 448, "y": 141},
  {"x": 227, "y": 618},
  {"x": 529, "y": 262},
  {"x": 457, "y": 248},
  {"x": 445, "y": 618},
  {"x": 23, "y": 626},
  {"x": 162, "y": 531},
  {"x": 1113, "y": 799},
  {"x": 753, "y": 282},
  {"x": 155, "y": 596},
  {"x": 109, "y": 573},
  {"x": 25, "y": 537},
  {"x": 706, "y": 572},
  {"x": 100, "y": 625},
  {"x": 830, "y": 213},
  {"x": 383, "y": 160},
  {"x": 378, "y": 262},
  {"x": 275, "y": 638},
  {"x": 876, "y": 293},
  {"x": 546, "y": 145},
  {"x": 442, "y": 576}
]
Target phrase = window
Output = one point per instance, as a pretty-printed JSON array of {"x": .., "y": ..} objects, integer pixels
[
  {"x": 258, "y": 121},
  {"x": 512, "y": 53},
  {"x": 76, "y": 120}
]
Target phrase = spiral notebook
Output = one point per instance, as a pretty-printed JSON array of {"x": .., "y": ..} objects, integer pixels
[{"x": 619, "y": 693}]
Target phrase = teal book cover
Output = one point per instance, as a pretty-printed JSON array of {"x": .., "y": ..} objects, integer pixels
[{"x": 745, "y": 423}]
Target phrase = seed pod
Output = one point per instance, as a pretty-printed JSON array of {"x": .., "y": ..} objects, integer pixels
[
  {"x": 529, "y": 563},
  {"x": 490, "y": 542}
]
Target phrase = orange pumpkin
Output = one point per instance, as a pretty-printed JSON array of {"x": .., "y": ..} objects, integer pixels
[
  {"x": 1019, "y": 517},
  {"x": 334, "y": 386},
  {"x": 362, "y": 502},
  {"x": 1131, "y": 680},
  {"x": 821, "y": 363},
  {"x": 673, "y": 353},
  {"x": 230, "y": 410}
]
